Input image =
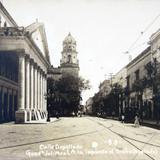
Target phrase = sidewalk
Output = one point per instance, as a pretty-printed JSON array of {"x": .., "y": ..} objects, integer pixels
[
  {"x": 148, "y": 123},
  {"x": 151, "y": 123}
]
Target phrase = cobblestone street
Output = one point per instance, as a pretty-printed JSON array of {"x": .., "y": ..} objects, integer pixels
[{"x": 79, "y": 138}]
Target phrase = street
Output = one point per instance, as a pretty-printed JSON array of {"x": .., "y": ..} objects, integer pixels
[{"x": 74, "y": 138}]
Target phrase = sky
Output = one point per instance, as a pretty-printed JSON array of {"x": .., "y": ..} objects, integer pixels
[{"x": 104, "y": 31}]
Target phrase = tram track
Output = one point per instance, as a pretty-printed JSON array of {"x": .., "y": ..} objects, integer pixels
[
  {"x": 125, "y": 138},
  {"x": 112, "y": 125}
]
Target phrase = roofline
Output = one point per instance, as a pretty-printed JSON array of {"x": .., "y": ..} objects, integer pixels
[
  {"x": 32, "y": 28},
  {"x": 155, "y": 35},
  {"x": 7, "y": 16},
  {"x": 139, "y": 56}
]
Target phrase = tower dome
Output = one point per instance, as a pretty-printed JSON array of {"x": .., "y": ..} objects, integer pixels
[{"x": 69, "y": 39}]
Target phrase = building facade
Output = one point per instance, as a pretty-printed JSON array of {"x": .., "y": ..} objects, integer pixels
[
  {"x": 105, "y": 88},
  {"x": 24, "y": 62},
  {"x": 140, "y": 86},
  {"x": 155, "y": 45},
  {"x": 120, "y": 79},
  {"x": 139, "y": 98},
  {"x": 88, "y": 106}
]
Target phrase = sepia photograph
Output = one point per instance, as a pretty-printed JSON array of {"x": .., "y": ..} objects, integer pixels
[{"x": 79, "y": 79}]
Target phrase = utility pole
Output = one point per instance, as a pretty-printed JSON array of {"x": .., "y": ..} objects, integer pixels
[{"x": 111, "y": 76}]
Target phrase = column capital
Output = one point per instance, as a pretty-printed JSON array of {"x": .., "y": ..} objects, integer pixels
[
  {"x": 38, "y": 68},
  {"x": 43, "y": 73},
  {"x": 27, "y": 57},
  {"x": 32, "y": 61},
  {"x": 35, "y": 65},
  {"x": 20, "y": 53}
]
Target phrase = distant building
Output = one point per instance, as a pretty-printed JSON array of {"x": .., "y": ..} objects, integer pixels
[
  {"x": 69, "y": 60},
  {"x": 120, "y": 79},
  {"x": 24, "y": 62},
  {"x": 105, "y": 88},
  {"x": 138, "y": 93},
  {"x": 54, "y": 73},
  {"x": 69, "y": 64},
  {"x": 88, "y": 106}
]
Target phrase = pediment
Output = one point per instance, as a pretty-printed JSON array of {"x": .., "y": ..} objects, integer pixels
[
  {"x": 38, "y": 40},
  {"x": 38, "y": 36}
]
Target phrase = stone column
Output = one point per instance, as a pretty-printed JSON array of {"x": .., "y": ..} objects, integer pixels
[
  {"x": 35, "y": 87},
  {"x": 44, "y": 93},
  {"x": 38, "y": 87},
  {"x": 41, "y": 90},
  {"x": 0, "y": 104},
  {"x": 27, "y": 83},
  {"x": 21, "y": 114},
  {"x": 13, "y": 104},
  {"x": 45, "y": 90},
  {"x": 32, "y": 86}
]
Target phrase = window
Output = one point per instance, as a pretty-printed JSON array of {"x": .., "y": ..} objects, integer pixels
[
  {"x": 128, "y": 82},
  {"x": 137, "y": 74}
]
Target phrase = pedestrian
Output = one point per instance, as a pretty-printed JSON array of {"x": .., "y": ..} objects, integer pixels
[
  {"x": 73, "y": 114},
  {"x": 122, "y": 118},
  {"x": 57, "y": 115},
  {"x": 136, "y": 122}
]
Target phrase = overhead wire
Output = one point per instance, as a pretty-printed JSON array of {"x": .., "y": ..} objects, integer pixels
[{"x": 142, "y": 33}]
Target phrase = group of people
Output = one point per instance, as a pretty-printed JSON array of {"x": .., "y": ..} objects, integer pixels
[
  {"x": 136, "y": 120},
  {"x": 78, "y": 114}
]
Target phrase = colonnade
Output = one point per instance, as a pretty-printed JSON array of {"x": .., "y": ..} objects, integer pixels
[{"x": 32, "y": 89}]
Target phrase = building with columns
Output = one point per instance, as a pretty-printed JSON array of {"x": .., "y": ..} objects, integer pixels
[{"x": 24, "y": 63}]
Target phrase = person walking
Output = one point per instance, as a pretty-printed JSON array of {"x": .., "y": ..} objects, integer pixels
[
  {"x": 122, "y": 118},
  {"x": 136, "y": 122},
  {"x": 57, "y": 114}
]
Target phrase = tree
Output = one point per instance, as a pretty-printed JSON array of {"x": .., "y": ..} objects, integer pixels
[
  {"x": 152, "y": 81},
  {"x": 109, "y": 103},
  {"x": 97, "y": 106},
  {"x": 116, "y": 96},
  {"x": 138, "y": 87},
  {"x": 64, "y": 95}
]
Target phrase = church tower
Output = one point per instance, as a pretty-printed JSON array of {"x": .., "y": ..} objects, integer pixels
[{"x": 69, "y": 61}]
